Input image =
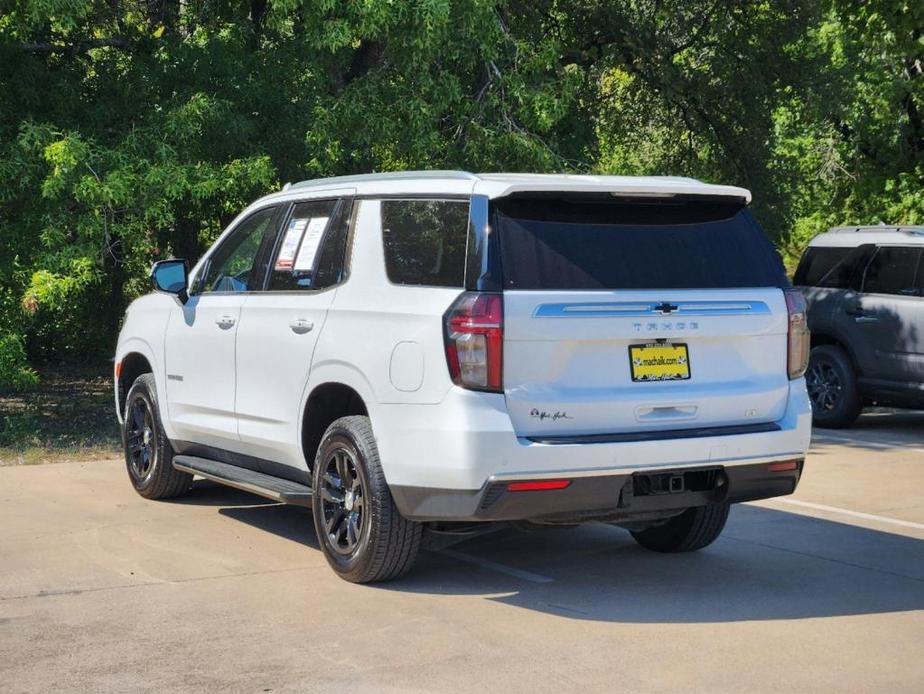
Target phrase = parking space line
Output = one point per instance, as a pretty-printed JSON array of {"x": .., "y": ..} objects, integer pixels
[
  {"x": 830, "y": 439},
  {"x": 494, "y": 566},
  {"x": 855, "y": 514}
]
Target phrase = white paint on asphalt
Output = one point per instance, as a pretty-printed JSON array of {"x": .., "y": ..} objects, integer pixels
[
  {"x": 854, "y": 514},
  {"x": 834, "y": 439},
  {"x": 494, "y": 566}
]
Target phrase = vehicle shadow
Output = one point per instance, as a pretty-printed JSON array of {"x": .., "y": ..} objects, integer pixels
[
  {"x": 768, "y": 565},
  {"x": 208, "y": 493},
  {"x": 291, "y": 522}
]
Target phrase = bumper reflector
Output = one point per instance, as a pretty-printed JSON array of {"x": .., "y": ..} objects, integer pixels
[
  {"x": 783, "y": 466},
  {"x": 538, "y": 485}
]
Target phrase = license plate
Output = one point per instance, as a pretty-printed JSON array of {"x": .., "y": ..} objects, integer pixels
[{"x": 659, "y": 362}]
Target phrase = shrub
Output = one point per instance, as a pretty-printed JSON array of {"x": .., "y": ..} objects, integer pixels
[{"x": 15, "y": 372}]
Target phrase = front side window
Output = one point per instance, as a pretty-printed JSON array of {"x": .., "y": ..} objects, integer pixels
[
  {"x": 425, "y": 241},
  {"x": 892, "y": 271},
  {"x": 233, "y": 266}
]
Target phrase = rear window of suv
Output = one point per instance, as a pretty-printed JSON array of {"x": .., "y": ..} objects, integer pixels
[{"x": 594, "y": 243}]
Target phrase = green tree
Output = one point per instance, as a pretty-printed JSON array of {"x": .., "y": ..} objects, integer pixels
[{"x": 132, "y": 131}]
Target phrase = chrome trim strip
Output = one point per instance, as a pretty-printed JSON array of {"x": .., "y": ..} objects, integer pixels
[
  {"x": 640, "y": 309},
  {"x": 629, "y": 469}
]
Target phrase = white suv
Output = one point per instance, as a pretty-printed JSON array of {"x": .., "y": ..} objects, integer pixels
[{"x": 412, "y": 354}]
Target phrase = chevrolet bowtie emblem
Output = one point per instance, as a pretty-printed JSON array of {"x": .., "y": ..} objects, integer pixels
[{"x": 665, "y": 307}]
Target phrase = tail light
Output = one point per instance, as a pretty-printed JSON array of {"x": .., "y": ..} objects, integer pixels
[
  {"x": 474, "y": 336},
  {"x": 799, "y": 337}
]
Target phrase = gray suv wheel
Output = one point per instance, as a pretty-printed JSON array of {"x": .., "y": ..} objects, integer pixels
[{"x": 832, "y": 388}]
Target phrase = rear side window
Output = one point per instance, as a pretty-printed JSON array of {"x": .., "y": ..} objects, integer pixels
[
  {"x": 331, "y": 265},
  {"x": 425, "y": 241},
  {"x": 892, "y": 271},
  {"x": 592, "y": 243},
  {"x": 299, "y": 244}
]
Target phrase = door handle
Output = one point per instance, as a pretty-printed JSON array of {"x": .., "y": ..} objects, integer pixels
[
  {"x": 300, "y": 326},
  {"x": 225, "y": 322},
  {"x": 856, "y": 312}
]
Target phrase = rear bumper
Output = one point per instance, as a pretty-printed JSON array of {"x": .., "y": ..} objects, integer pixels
[
  {"x": 440, "y": 459},
  {"x": 611, "y": 497}
]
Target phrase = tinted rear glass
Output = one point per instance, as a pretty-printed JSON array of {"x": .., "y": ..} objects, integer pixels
[{"x": 589, "y": 243}]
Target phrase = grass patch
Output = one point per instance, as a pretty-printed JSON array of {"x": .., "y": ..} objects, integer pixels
[{"x": 70, "y": 415}]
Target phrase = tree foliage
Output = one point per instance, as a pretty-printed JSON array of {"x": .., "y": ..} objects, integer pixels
[{"x": 130, "y": 131}]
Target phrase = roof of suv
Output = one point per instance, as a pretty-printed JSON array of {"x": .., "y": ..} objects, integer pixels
[
  {"x": 497, "y": 185},
  {"x": 850, "y": 237}
]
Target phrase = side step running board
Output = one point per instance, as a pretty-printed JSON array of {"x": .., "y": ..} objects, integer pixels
[{"x": 275, "y": 488}]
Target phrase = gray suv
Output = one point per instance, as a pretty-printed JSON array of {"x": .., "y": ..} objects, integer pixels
[{"x": 865, "y": 293}]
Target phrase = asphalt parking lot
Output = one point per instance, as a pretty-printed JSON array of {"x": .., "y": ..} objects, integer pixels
[{"x": 101, "y": 590}]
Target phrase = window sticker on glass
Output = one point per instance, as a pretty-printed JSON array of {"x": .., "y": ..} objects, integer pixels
[
  {"x": 309, "y": 248},
  {"x": 290, "y": 244}
]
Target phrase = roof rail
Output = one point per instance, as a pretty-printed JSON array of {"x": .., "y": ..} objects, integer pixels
[
  {"x": 385, "y": 176},
  {"x": 915, "y": 230}
]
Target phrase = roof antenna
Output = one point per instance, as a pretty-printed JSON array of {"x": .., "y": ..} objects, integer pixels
[{"x": 286, "y": 186}]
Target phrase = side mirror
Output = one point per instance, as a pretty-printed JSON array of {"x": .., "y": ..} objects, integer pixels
[{"x": 171, "y": 277}]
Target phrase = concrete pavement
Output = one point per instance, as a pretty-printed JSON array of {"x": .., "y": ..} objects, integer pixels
[{"x": 101, "y": 590}]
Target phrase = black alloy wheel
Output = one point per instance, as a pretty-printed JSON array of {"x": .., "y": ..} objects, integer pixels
[
  {"x": 141, "y": 439},
  {"x": 343, "y": 501},
  {"x": 148, "y": 452},
  {"x": 824, "y": 385},
  {"x": 831, "y": 383},
  {"x": 362, "y": 533}
]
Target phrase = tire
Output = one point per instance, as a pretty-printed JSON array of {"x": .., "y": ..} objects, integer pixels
[
  {"x": 693, "y": 529},
  {"x": 832, "y": 387},
  {"x": 363, "y": 535},
  {"x": 148, "y": 453}
]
